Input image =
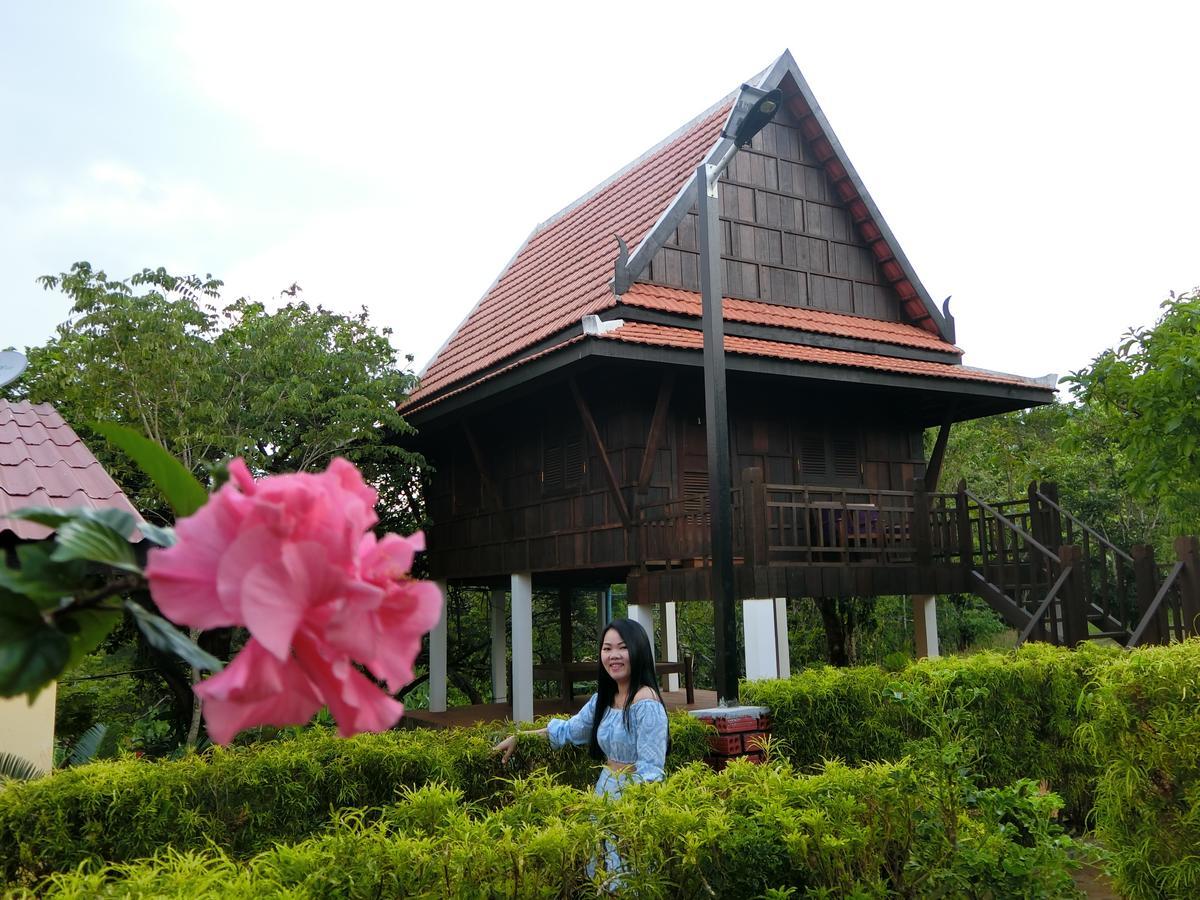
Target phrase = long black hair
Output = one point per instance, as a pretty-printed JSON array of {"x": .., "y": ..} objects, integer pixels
[{"x": 641, "y": 674}]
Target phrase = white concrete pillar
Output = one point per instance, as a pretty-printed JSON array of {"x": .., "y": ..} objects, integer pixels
[
  {"x": 437, "y": 656},
  {"x": 644, "y": 616},
  {"x": 924, "y": 607},
  {"x": 762, "y": 645},
  {"x": 783, "y": 652},
  {"x": 671, "y": 640},
  {"x": 498, "y": 621},
  {"x": 522, "y": 647}
]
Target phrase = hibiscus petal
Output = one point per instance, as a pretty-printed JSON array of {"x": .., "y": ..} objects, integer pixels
[
  {"x": 256, "y": 689},
  {"x": 355, "y": 702}
]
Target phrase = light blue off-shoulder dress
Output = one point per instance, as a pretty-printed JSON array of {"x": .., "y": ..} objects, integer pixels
[{"x": 643, "y": 743}]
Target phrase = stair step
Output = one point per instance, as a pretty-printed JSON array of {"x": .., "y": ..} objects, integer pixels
[{"x": 1121, "y": 636}]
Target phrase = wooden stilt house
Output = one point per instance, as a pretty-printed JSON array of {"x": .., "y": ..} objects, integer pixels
[{"x": 564, "y": 418}]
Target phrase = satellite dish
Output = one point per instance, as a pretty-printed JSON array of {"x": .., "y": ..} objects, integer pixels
[{"x": 12, "y": 364}]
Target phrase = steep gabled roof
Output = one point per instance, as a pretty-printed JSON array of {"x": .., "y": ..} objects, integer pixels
[
  {"x": 563, "y": 271},
  {"x": 44, "y": 463},
  {"x": 566, "y": 268}
]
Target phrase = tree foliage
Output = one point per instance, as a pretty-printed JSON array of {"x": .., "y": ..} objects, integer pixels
[
  {"x": 1148, "y": 390},
  {"x": 287, "y": 390}
]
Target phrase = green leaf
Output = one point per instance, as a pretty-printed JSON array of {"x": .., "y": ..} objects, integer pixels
[
  {"x": 32, "y": 651},
  {"x": 164, "y": 537},
  {"x": 116, "y": 519},
  {"x": 43, "y": 581},
  {"x": 178, "y": 485},
  {"x": 85, "y": 629},
  {"x": 94, "y": 541},
  {"x": 164, "y": 636}
]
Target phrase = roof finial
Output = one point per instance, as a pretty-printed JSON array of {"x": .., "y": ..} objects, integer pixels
[
  {"x": 949, "y": 335},
  {"x": 621, "y": 279}
]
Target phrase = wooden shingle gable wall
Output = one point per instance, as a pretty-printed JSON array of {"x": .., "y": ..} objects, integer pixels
[{"x": 787, "y": 236}]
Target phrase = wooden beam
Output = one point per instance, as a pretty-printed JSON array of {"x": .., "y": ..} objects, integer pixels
[
  {"x": 658, "y": 427},
  {"x": 489, "y": 489},
  {"x": 589, "y": 424},
  {"x": 934, "y": 469}
]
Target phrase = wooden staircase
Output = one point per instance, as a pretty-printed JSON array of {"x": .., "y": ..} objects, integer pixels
[{"x": 1056, "y": 579}]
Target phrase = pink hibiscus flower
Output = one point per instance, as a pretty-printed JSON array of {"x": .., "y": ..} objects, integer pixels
[{"x": 291, "y": 558}]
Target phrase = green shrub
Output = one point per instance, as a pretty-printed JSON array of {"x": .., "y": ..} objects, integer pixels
[
  {"x": 244, "y": 799},
  {"x": 1018, "y": 709},
  {"x": 867, "y": 832},
  {"x": 1143, "y": 727}
]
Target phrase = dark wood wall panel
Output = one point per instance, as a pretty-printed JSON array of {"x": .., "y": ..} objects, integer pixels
[
  {"x": 786, "y": 237},
  {"x": 794, "y": 437}
]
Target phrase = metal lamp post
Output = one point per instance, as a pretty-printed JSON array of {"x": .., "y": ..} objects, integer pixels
[{"x": 751, "y": 112}]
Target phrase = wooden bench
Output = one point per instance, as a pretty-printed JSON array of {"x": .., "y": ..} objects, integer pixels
[{"x": 586, "y": 671}]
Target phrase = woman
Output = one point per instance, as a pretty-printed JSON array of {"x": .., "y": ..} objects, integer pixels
[{"x": 624, "y": 722}]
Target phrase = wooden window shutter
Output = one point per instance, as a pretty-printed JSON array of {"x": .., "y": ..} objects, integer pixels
[
  {"x": 552, "y": 460},
  {"x": 695, "y": 493},
  {"x": 844, "y": 453},
  {"x": 574, "y": 462},
  {"x": 812, "y": 459}
]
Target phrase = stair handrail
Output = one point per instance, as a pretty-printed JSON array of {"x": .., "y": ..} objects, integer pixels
[
  {"x": 1085, "y": 527},
  {"x": 1029, "y": 538},
  {"x": 1152, "y": 609},
  {"x": 1045, "y": 605}
]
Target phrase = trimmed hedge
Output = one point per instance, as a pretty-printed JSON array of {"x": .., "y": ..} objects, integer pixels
[
  {"x": 1143, "y": 725},
  {"x": 243, "y": 800},
  {"x": 1019, "y": 710},
  {"x": 1116, "y": 733},
  {"x": 747, "y": 832}
]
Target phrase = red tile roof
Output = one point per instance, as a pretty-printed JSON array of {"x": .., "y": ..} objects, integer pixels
[
  {"x": 564, "y": 269},
  {"x": 693, "y": 339},
  {"x": 673, "y": 300},
  {"x": 44, "y": 463}
]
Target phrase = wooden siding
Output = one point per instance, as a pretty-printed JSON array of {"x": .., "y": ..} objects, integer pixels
[
  {"x": 543, "y": 502},
  {"x": 787, "y": 237}
]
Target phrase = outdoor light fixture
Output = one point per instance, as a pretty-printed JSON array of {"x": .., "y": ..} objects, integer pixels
[{"x": 752, "y": 110}]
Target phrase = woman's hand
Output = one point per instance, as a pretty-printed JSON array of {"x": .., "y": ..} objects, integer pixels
[{"x": 506, "y": 747}]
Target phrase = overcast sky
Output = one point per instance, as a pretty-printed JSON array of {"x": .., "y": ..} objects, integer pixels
[{"x": 1036, "y": 161}]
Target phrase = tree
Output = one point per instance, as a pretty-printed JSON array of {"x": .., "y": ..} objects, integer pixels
[
  {"x": 1149, "y": 389},
  {"x": 286, "y": 390}
]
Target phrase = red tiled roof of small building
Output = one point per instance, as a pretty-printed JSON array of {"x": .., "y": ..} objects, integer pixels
[
  {"x": 564, "y": 269},
  {"x": 693, "y": 339},
  {"x": 753, "y": 312},
  {"x": 44, "y": 463}
]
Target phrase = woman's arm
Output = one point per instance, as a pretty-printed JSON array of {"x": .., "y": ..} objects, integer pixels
[
  {"x": 509, "y": 744},
  {"x": 650, "y": 736}
]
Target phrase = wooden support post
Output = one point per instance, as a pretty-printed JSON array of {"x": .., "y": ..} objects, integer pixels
[
  {"x": 925, "y": 634},
  {"x": 644, "y": 616},
  {"x": 1145, "y": 581},
  {"x": 603, "y": 611},
  {"x": 566, "y": 645},
  {"x": 756, "y": 543},
  {"x": 671, "y": 642},
  {"x": 589, "y": 425},
  {"x": 922, "y": 538},
  {"x": 1054, "y": 519},
  {"x": 1187, "y": 551},
  {"x": 499, "y": 627},
  {"x": 437, "y": 656},
  {"x": 658, "y": 429},
  {"x": 1074, "y": 622},
  {"x": 966, "y": 552},
  {"x": 522, "y": 647},
  {"x": 933, "y": 469}
]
